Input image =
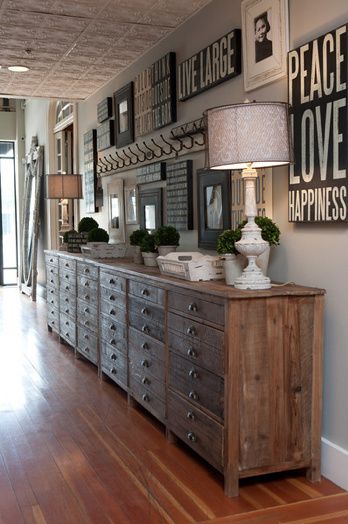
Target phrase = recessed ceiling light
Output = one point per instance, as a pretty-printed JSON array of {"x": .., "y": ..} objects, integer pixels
[{"x": 18, "y": 69}]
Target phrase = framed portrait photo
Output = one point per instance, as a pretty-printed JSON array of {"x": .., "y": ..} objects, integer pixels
[
  {"x": 265, "y": 34},
  {"x": 124, "y": 115},
  {"x": 131, "y": 204},
  {"x": 214, "y": 206}
]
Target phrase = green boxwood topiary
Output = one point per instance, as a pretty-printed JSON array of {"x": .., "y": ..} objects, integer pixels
[
  {"x": 148, "y": 245},
  {"x": 269, "y": 230},
  {"x": 86, "y": 224},
  {"x": 167, "y": 236},
  {"x": 226, "y": 241},
  {"x": 137, "y": 236},
  {"x": 98, "y": 235}
]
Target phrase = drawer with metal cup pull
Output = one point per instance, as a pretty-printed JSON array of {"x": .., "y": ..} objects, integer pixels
[
  {"x": 196, "y": 307},
  {"x": 195, "y": 428},
  {"x": 87, "y": 294},
  {"x": 194, "y": 330},
  {"x": 113, "y": 332},
  {"x": 87, "y": 285},
  {"x": 85, "y": 337},
  {"x": 67, "y": 300},
  {"x": 51, "y": 260},
  {"x": 51, "y": 270},
  {"x": 145, "y": 364},
  {"x": 113, "y": 363},
  {"x": 112, "y": 311},
  {"x": 112, "y": 281},
  {"x": 88, "y": 352},
  {"x": 145, "y": 326},
  {"x": 113, "y": 297},
  {"x": 67, "y": 276},
  {"x": 149, "y": 383},
  {"x": 67, "y": 329},
  {"x": 210, "y": 357},
  {"x": 197, "y": 384},
  {"x": 146, "y": 292},
  {"x": 147, "y": 311},
  {"x": 52, "y": 314},
  {"x": 87, "y": 270},
  {"x": 86, "y": 315},
  {"x": 52, "y": 281},
  {"x": 144, "y": 345},
  {"x": 148, "y": 399},
  {"x": 67, "y": 264}
]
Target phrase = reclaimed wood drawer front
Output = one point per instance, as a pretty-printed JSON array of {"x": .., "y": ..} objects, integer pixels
[
  {"x": 149, "y": 383},
  {"x": 197, "y": 384},
  {"x": 65, "y": 299},
  {"x": 67, "y": 264},
  {"x": 210, "y": 357},
  {"x": 153, "y": 329},
  {"x": 114, "y": 333},
  {"x": 196, "y": 307},
  {"x": 88, "y": 353},
  {"x": 51, "y": 270},
  {"x": 68, "y": 310},
  {"x": 195, "y": 428},
  {"x": 87, "y": 270},
  {"x": 53, "y": 316},
  {"x": 195, "y": 331},
  {"x": 114, "y": 363},
  {"x": 113, "y": 297},
  {"x": 66, "y": 276},
  {"x": 113, "y": 312},
  {"x": 68, "y": 287},
  {"x": 87, "y": 285},
  {"x": 67, "y": 329},
  {"x": 86, "y": 339},
  {"x": 147, "y": 346},
  {"x": 52, "y": 298},
  {"x": 52, "y": 260},
  {"x": 86, "y": 314},
  {"x": 146, "y": 311},
  {"x": 147, "y": 399},
  {"x": 145, "y": 363},
  {"x": 53, "y": 281},
  {"x": 146, "y": 292},
  {"x": 87, "y": 294},
  {"x": 112, "y": 281}
]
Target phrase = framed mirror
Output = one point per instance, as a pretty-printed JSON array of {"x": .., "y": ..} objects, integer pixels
[
  {"x": 116, "y": 211},
  {"x": 150, "y": 204},
  {"x": 30, "y": 219}
]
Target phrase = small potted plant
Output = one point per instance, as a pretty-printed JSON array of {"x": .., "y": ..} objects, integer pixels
[
  {"x": 149, "y": 250},
  {"x": 135, "y": 239},
  {"x": 269, "y": 232},
  {"x": 85, "y": 225},
  {"x": 233, "y": 261},
  {"x": 166, "y": 239},
  {"x": 98, "y": 234}
]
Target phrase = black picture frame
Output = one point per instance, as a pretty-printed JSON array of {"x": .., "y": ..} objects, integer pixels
[
  {"x": 150, "y": 197},
  {"x": 90, "y": 170},
  {"x": 213, "y": 216},
  {"x": 124, "y": 115}
]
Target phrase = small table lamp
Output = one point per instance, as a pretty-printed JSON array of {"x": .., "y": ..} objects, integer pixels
[
  {"x": 64, "y": 186},
  {"x": 248, "y": 136}
]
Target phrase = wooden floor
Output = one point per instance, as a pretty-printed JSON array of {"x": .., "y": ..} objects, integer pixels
[{"x": 72, "y": 451}]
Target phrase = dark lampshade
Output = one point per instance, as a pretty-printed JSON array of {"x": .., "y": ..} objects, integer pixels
[{"x": 63, "y": 186}]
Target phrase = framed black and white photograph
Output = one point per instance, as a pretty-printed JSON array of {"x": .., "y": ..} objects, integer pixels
[
  {"x": 131, "y": 204},
  {"x": 124, "y": 115},
  {"x": 150, "y": 208},
  {"x": 214, "y": 206},
  {"x": 265, "y": 34}
]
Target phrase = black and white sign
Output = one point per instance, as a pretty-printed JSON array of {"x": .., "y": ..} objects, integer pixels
[
  {"x": 106, "y": 135},
  {"x": 90, "y": 169},
  {"x": 104, "y": 109},
  {"x": 180, "y": 195},
  {"x": 209, "y": 67},
  {"x": 318, "y": 96},
  {"x": 151, "y": 173}
]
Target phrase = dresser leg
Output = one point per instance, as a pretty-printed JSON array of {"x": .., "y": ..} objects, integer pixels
[
  {"x": 231, "y": 486},
  {"x": 131, "y": 402},
  {"x": 313, "y": 472},
  {"x": 172, "y": 439},
  {"x": 49, "y": 328}
]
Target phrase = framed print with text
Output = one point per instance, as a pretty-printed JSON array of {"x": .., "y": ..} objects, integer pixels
[{"x": 124, "y": 115}]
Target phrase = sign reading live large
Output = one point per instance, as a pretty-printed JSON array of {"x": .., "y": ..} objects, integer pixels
[
  {"x": 216, "y": 63},
  {"x": 318, "y": 100}
]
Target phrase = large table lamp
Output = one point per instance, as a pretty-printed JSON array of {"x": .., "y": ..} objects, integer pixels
[
  {"x": 248, "y": 136},
  {"x": 64, "y": 186}
]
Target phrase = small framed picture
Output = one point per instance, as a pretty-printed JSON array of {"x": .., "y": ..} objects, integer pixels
[
  {"x": 265, "y": 34},
  {"x": 214, "y": 206},
  {"x": 131, "y": 204},
  {"x": 116, "y": 211},
  {"x": 124, "y": 115},
  {"x": 150, "y": 206}
]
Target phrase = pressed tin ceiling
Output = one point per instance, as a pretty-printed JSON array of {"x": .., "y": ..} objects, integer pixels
[{"x": 73, "y": 47}]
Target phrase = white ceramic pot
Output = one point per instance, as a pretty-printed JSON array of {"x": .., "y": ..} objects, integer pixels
[
  {"x": 233, "y": 265},
  {"x": 150, "y": 259},
  {"x": 164, "y": 250}
]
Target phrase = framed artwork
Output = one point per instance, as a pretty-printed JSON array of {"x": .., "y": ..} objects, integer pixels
[
  {"x": 150, "y": 208},
  {"x": 124, "y": 115},
  {"x": 90, "y": 169},
  {"x": 131, "y": 204},
  {"x": 214, "y": 206},
  {"x": 116, "y": 211},
  {"x": 265, "y": 34}
]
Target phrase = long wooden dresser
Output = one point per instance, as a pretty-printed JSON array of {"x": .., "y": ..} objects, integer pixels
[{"x": 236, "y": 375}]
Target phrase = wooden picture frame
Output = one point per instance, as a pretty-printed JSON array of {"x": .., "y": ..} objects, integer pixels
[
  {"x": 150, "y": 208},
  {"x": 214, "y": 206},
  {"x": 116, "y": 211},
  {"x": 265, "y": 34},
  {"x": 124, "y": 115},
  {"x": 131, "y": 204}
]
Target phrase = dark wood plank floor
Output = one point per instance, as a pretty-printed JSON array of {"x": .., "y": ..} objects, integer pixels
[{"x": 73, "y": 451}]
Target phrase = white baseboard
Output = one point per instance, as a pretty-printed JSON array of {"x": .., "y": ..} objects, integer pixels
[{"x": 334, "y": 463}]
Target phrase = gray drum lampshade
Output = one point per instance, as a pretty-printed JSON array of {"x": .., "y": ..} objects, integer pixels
[
  {"x": 253, "y": 132},
  {"x": 63, "y": 186}
]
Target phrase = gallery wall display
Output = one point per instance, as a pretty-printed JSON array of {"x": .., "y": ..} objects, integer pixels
[
  {"x": 214, "y": 204},
  {"x": 90, "y": 169},
  {"x": 155, "y": 96},
  {"x": 209, "y": 67},
  {"x": 265, "y": 41},
  {"x": 124, "y": 115},
  {"x": 151, "y": 173},
  {"x": 104, "y": 109},
  {"x": 180, "y": 195},
  {"x": 150, "y": 208},
  {"x": 318, "y": 99},
  {"x": 106, "y": 135}
]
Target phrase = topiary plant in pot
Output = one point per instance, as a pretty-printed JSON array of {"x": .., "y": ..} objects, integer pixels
[
  {"x": 233, "y": 261},
  {"x": 269, "y": 232},
  {"x": 98, "y": 234},
  {"x": 135, "y": 239},
  {"x": 149, "y": 250},
  {"x": 166, "y": 239},
  {"x": 86, "y": 224}
]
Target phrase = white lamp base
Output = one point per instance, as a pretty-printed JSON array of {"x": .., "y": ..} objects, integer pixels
[{"x": 252, "y": 277}]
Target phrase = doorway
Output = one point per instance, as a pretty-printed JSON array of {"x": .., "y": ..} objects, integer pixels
[{"x": 8, "y": 213}]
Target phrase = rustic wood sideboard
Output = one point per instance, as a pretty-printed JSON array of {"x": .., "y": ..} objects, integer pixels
[{"x": 236, "y": 375}]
